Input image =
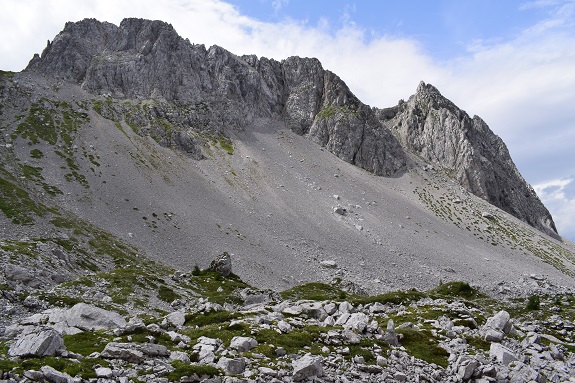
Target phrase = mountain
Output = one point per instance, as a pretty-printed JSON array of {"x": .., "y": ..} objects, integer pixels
[
  {"x": 185, "y": 152},
  {"x": 137, "y": 168}
]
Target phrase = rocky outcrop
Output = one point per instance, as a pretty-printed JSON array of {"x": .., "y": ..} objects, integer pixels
[
  {"x": 148, "y": 59},
  {"x": 432, "y": 127},
  {"x": 197, "y": 89}
]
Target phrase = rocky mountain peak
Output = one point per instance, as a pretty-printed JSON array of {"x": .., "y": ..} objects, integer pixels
[
  {"x": 143, "y": 59},
  {"x": 434, "y": 128}
]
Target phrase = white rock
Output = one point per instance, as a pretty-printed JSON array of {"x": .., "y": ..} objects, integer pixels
[
  {"x": 242, "y": 343},
  {"x": 55, "y": 376},
  {"x": 43, "y": 343},
  {"x": 232, "y": 366},
  {"x": 357, "y": 322},
  {"x": 328, "y": 264},
  {"x": 175, "y": 319},
  {"x": 284, "y": 326},
  {"x": 501, "y": 353},
  {"x": 307, "y": 366},
  {"x": 104, "y": 372}
]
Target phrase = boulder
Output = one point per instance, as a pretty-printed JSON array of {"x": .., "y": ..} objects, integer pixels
[
  {"x": 328, "y": 264},
  {"x": 222, "y": 264},
  {"x": 47, "y": 342},
  {"x": 306, "y": 367},
  {"x": 502, "y": 354},
  {"x": 492, "y": 335},
  {"x": 103, "y": 372},
  {"x": 500, "y": 322},
  {"x": 357, "y": 322},
  {"x": 87, "y": 318},
  {"x": 124, "y": 351},
  {"x": 242, "y": 343},
  {"x": 54, "y": 376},
  {"x": 175, "y": 319},
  {"x": 390, "y": 336},
  {"x": 284, "y": 326},
  {"x": 179, "y": 355},
  {"x": 232, "y": 366}
]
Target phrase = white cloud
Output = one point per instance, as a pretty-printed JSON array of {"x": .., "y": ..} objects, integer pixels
[{"x": 559, "y": 197}]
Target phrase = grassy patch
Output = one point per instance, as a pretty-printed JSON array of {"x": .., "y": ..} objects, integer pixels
[
  {"x": 314, "y": 291},
  {"x": 87, "y": 342},
  {"x": 209, "y": 282},
  {"x": 422, "y": 345},
  {"x": 166, "y": 294},
  {"x": 292, "y": 342},
  {"x": 395, "y": 297},
  {"x": 214, "y": 317},
  {"x": 185, "y": 369}
]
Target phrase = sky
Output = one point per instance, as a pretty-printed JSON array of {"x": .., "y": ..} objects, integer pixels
[{"x": 510, "y": 62}]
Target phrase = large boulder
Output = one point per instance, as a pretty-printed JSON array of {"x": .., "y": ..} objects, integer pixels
[
  {"x": 307, "y": 366},
  {"x": 222, "y": 264},
  {"x": 242, "y": 343},
  {"x": 54, "y": 376},
  {"x": 47, "y": 342},
  {"x": 232, "y": 366},
  {"x": 90, "y": 318}
]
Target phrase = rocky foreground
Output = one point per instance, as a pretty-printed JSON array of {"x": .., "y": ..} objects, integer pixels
[{"x": 314, "y": 332}]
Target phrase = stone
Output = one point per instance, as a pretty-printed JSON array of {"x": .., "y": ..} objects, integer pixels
[
  {"x": 90, "y": 318},
  {"x": 466, "y": 369},
  {"x": 232, "y": 366},
  {"x": 179, "y": 355},
  {"x": 47, "y": 342},
  {"x": 307, "y": 366},
  {"x": 284, "y": 327},
  {"x": 357, "y": 322},
  {"x": 222, "y": 264},
  {"x": 329, "y": 264},
  {"x": 103, "y": 372},
  {"x": 492, "y": 335},
  {"x": 54, "y": 376},
  {"x": 266, "y": 371},
  {"x": 340, "y": 210},
  {"x": 242, "y": 343},
  {"x": 499, "y": 322},
  {"x": 175, "y": 319},
  {"x": 124, "y": 351},
  {"x": 501, "y": 353},
  {"x": 390, "y": 336}
]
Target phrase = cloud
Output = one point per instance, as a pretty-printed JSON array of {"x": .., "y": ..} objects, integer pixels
[{"x": 559, "y": 197}]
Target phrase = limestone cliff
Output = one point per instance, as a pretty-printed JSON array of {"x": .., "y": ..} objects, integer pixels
[
  {"x": 434, "y": 128},
  {"x": 212, "y": 89}
]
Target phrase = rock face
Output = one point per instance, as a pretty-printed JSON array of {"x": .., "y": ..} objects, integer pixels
[
  {"x": 432, "y": 127},
  {"x": 43, "y": 343},
  {"x": 201, "y": 89}
]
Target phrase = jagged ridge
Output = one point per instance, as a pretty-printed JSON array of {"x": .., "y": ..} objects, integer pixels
[{"x": 148, "y": 59}]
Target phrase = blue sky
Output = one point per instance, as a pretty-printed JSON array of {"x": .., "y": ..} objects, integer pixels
[
  {"x": 444, "y": 28},
  {"x": 510, "y": 62}
]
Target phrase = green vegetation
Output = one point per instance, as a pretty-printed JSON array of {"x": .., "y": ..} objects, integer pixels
[
  {"x": 16, "y": 203},
  {"x": 422, "y": 345},
  {"x": 186, "y": 369},
  {"x": 533, "y": 303},
  {"x": 87, "y": 342},
  {"x": 314, "y": 291},
  {"x": 216, "y": 288},
  {"x": 292, "y": 342}
]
